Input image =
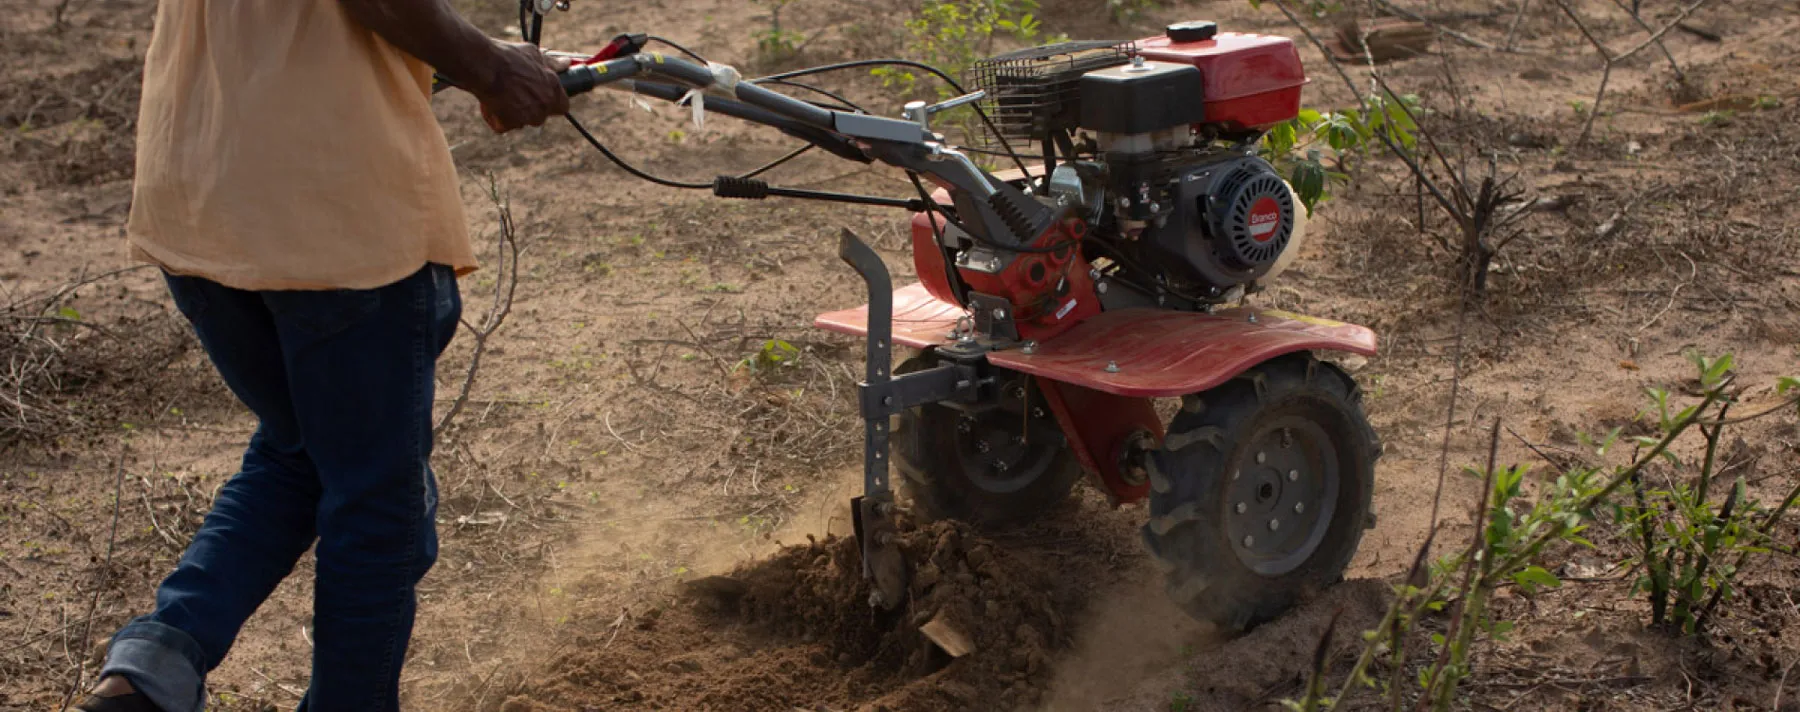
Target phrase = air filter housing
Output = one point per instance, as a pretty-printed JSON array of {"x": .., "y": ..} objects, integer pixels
[{"x": 1036, "y": 90}]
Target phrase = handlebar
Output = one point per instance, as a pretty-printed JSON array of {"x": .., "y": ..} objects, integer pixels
[
  {"x": 1004, "y": 214},
  {"x": 588, "y": 77}
]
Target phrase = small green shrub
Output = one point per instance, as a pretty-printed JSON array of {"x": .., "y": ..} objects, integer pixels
[
  {"x": 954, "y": 34},
  {"x": 775, "y": 43},
  {"x": 1124, "y": 11},
  {"x": 1294, "y": 146},
  {"x": 1692, "y": 550},
  {"x": 774, "y": 356}
]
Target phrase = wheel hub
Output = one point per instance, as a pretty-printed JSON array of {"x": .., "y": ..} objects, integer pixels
[
  {"x": 1281, "y": 495},
  {"x": 1005, "y": 448}
]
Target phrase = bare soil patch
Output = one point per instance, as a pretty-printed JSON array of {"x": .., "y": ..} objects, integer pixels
[{"x": 614, "y": 448}]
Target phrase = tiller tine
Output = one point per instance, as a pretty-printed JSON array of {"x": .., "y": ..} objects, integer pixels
[{"x": 883, "y": 562}]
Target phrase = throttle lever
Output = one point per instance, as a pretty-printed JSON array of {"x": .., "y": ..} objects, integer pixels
[{"x": 921, "y": 112}]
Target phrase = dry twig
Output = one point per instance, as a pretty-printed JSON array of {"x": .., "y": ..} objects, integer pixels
[
  {"x": 1610, "y": 60},
  {"x": 112, "y": 538},
  {"x": 505, "y": 285}
]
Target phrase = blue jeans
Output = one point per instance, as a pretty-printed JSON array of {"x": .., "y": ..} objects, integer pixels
[{"x": 342, "y": 382}]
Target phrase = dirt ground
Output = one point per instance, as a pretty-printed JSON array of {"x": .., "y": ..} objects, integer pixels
[{"x": 614, "y": 452}]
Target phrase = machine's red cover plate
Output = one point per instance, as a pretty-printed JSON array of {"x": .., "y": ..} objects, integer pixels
[
  {"x": 1160, "y": 353},
  {"x": 920, "y": 320},
  {"x": 1157, "y": 353},
  {"x": 1252, "y": 81}
]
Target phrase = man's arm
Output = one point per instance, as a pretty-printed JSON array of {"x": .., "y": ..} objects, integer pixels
[{"x": 515, "y": 82}]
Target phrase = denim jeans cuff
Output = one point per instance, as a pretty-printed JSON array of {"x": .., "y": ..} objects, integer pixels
[{"x": 163, "y": 663}]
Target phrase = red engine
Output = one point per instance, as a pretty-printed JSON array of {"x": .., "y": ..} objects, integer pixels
[{"x": 1150, "y": 151}]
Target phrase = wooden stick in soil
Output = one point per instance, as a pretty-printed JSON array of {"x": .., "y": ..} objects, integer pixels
[
  {"x": 1684, "y": 605},
  {"x": 1417, "y": 577},
  {"x": 1764, "y": 531},
  {"x": 1315, "y": 680},
  {"x": 1512, "y": 32},
  {"x": 1659, "y": 577},
  {"x": 1470, "y": 599},
  {"x": 1453, "y": 34},
  {"x": 1645, "y": 26},
  {"x": 112, "y": 538}
]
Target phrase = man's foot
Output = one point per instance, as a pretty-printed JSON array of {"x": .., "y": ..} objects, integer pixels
[{"x": 115, "y": 694}]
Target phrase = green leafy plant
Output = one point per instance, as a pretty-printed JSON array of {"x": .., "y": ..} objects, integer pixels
[
  {"x": 1505, "y": 551},
  {"x": 1316, "y": 8},
  {"x": 1297, "y": 147},
  {"x": 774, "y": 355},
  {"x": 1721, "y": 117},
  {"x": 1691, "y": 549},
  {"x": 953, "y": 34},
  {"x": 1124, "y": 11},
  {"x": 775, "y": 43}
]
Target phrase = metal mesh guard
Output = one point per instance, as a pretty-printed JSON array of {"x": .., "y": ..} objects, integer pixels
[{"x": 1033, "y": 90}]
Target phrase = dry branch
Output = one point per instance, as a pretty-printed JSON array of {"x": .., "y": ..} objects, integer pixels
[
  {"x": 505, "y": 285},
  {"x": 1610, "y": 60},
  {"x": 38, "y": 336}
]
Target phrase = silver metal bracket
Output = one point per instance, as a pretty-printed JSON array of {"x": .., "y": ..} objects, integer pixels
[{"x": 920, "y": 112}]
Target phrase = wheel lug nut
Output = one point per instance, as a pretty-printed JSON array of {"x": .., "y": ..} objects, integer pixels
[
  {"x": 964, "y": 426},
  {"x": 1262, "y": 457},
  {"x": 1037, "y": 412},
  {"x": 1249, "y": 541},
  {"x": 1299, "y": 507},
  {"x": 999, "y": 465},
  {"x": 1274, "y": 525},
  {"x": 982, "y": 446},
  {"x": 1293, "y": 475},
  {"x": 1242, "y": 508}
]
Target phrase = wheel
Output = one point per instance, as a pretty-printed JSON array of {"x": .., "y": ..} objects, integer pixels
[
  {"x": 1262, "y": 491},
  {"x": 995, "y": 468}
]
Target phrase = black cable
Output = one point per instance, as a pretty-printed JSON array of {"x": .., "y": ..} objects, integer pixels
[
  {"x": 958, "y": 287},
  {"x": 848, "y": 105},
  {"x": 536, "y": 34},
  {"x": 989, "y": 152},
  {"x": 668, "y": 182},
  {"x": 677, "y": 47},
  {"x": 628, "y": 168},
  {"x": 939, "y": 73},
  {"x": 772, "y": 165}
]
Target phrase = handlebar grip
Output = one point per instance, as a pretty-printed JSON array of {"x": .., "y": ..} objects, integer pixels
[{"x": 579, "y": 79}]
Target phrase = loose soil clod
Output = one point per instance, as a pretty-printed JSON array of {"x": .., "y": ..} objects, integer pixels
[{"x": 980, "y": 629}]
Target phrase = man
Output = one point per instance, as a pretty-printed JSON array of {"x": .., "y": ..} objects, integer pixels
[{"x": 294, "y": 186}]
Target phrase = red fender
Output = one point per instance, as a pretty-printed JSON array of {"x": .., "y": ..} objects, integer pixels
[
  {"x": 1100, "y": 375},
  {"x": 1156, "y": 353}
]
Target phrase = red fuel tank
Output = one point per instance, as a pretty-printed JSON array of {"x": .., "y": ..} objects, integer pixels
[{"x": 1252, "y": 81}]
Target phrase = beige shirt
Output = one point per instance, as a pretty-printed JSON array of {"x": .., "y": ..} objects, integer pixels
[{"x": 283, "y": 146}]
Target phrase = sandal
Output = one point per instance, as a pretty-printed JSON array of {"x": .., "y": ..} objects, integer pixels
[{"x": 133, "y": 702}]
